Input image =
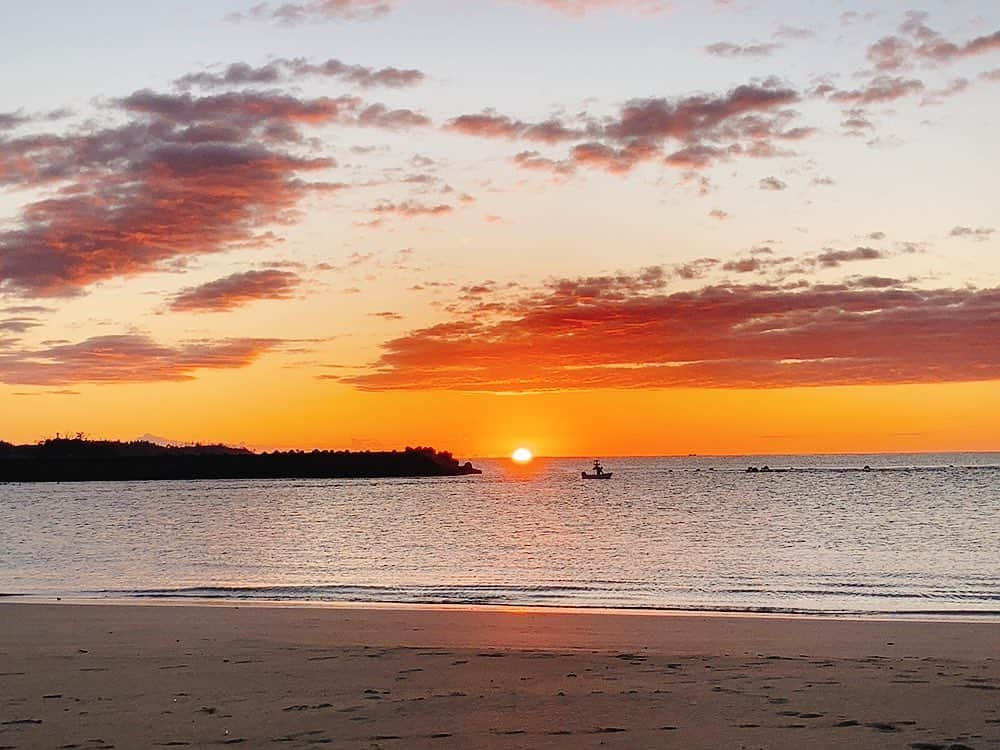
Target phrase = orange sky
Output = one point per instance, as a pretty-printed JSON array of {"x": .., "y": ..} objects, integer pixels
[
  {"x": 614, "y": 227},
  {"x": 243, "y": 409}
]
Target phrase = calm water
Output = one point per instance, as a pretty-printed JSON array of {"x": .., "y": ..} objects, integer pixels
[{"x": 917, "y": 534}]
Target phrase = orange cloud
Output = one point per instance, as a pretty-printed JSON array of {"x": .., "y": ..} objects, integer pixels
[{"x": 625, "y": 332}]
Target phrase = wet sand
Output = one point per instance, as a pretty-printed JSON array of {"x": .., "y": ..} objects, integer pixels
[{"x": 101, "y": 676}]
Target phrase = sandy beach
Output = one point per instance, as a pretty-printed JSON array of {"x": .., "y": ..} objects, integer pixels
[{"x": 136, "y": 676}]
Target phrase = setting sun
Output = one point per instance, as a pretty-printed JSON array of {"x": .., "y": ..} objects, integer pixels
[{"x": 521, "y": 455}]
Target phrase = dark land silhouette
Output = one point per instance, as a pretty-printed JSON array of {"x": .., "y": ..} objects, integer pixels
[{"x": 81, "y": 460}]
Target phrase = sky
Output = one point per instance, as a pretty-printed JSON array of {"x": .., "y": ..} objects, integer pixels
[{"x": 585, "y": 227}]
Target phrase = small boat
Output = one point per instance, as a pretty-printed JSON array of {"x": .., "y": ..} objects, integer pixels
[{"x": 599, "y": 472}]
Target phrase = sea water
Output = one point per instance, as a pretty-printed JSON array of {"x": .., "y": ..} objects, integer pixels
[{"x": 914, "y": 535}]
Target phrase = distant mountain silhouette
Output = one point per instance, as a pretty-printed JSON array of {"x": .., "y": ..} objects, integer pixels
[
  {"x": 81, "y": 460},
  {"x": 160, "y": 440}
]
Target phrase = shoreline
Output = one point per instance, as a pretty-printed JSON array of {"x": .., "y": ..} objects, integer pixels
[
  {"x": 144, "y": 675},
  {"x": 156, "y": 600}
]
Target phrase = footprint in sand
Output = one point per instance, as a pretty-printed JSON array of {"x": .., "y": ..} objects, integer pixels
[{"x": 882, "y": 726}]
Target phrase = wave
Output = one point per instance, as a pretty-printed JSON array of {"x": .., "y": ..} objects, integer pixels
[{"x": 586, "y": 597}]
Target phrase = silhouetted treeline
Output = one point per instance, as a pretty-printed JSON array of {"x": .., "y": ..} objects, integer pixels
[{"x": 80, "y": 460}]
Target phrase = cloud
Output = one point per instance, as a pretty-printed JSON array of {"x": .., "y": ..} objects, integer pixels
[
  {"x": 489, "y": 124},
  {"x": 314, "y": 10},
  {"x": 26, "y": 309},
  {"x": 535, "y": 161},
  {"x": 350, "y": 10},
  {"x": 380, "y": 116},
  {"x": 879, "y": 90},
  {"x": 141, "y": 195},
  {"x": 239, "y": 109},
  {"x": 695, "y": 116},
  {"x": 793, "y": 33},
  {"x": 771, "y": 183},
  {"x": 283, "y": 69},
  {"x": 11, "y": 120},
  {"x": 762, "y": 260},
  {"x": 235, "y": 291},
  {"x": 980, "y": 233},
  {"x": 183, "y": 175},
  {"x": 127, "y": 358},
  {"x": 727, "y": 49},
  {"x": 613, "y": 159},
  {"x": 412, "y": 209},
  {"x": 580, "y": 8},
  {"x": 889, "y": 53},
  {"x": 856, "y": 123},
  {"x": 695, "y": 269},
  {"x": 917, "y": 42},
  {"x": 742, "y": 121},
  {"x": 956, "y": 86},
  {"x": 56, "y": 392},
  {"x": 18, "y": 325},
  {"x": 743, "y": 265},
  {"x": 852, "y": 17},
  {"x": 697, "y": 156},
  {"x": 619, "y": 332},
  {"x": 834, "y": 258}
]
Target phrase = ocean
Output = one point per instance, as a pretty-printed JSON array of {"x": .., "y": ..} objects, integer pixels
[{"x": 916, "y": 535}]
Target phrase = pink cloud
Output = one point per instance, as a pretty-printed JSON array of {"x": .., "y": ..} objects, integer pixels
[
  {"x": 582, "y": 7},
  {"x": 742, "y": 121},
  {"x": 727, "y": 49},
  {"x": 284, "y": 69},
  {"x": 489, "y": 124},
  {"x": 11, "y": 120},
  {"x": 833, "y": 258},
  {"x": 128, "y": 358},
  {"x": 412, "y": 209},
  {"x": 341, "y": 10},
  {"x": 917, "y": 42},
  {"x": 879, "y": 90},
  {"x": 315, "y": 10},
  {"x": 979, "y": 233},
  {"x": 695, "y": 116},
  {"x": 184, "y": 175},
  {"x": 235, "y": 291},
  {"x": 380, "y": 116},
  {"x": 772, "y": 183},
  {"x": 535, "y": 161}
]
